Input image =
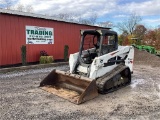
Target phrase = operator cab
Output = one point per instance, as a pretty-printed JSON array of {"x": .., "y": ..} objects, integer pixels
[{"x": 96, "y": 43}]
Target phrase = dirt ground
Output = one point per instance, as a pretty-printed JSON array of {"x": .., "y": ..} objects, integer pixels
[{"x": 20, "y": 98}]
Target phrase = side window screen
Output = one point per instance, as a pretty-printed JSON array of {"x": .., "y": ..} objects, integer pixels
[
  {"x": 111, "y": 40},
  {"x": 108, "y": 44},
  {"x": 88, "y": 41},
  {"x": 105, "y": 40},
  {"x": 108, "y": 40}
]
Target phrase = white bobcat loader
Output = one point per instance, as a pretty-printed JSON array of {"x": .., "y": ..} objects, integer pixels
[{"x": 99, "y": 66}]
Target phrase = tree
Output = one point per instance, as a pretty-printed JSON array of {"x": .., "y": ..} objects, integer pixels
[
  {"x": 139, "y": 31},
  {"x": 20, "y": 7},
  {"x": 29, "y": 9},
  {"x": 84, "y": 21},
  {"x": 7, "y": 4},
  {"x": 89, "y": 21},
  {"x": 125, "y": 33},
  {"x": 93, "y": 19},
  {"x": 129, "y": 24},
  {"x": 126, "y": 39},
  {"x": 152, "y": 38},
  {"x": 120, "y": 39},
  {"x": 65, "y": 16},
  {"x": 76, "y": 18},
  {"x": 107, "y": 24}
]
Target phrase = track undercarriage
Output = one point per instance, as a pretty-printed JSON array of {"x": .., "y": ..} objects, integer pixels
[{"x": 115, "y": 79}]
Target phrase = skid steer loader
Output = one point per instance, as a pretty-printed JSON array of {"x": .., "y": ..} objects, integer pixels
[{"x": 100, "y": 66}]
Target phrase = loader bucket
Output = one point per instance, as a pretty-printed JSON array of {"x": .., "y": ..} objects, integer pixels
[{"x": 75, "y": 88}]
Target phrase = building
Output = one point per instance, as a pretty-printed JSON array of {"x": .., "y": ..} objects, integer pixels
[{"x": 37, "y": 32}]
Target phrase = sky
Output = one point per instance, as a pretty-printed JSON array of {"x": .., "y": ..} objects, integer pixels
[{"x": 106, "y": 10}]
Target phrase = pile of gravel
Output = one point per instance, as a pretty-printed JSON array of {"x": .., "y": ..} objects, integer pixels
[{"x": 145, "y": 58}]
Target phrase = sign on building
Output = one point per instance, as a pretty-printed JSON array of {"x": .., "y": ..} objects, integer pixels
[{"x": 39, "y": 35}]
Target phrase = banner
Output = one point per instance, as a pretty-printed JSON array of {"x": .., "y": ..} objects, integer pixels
[{"x": 39, "y": 35}]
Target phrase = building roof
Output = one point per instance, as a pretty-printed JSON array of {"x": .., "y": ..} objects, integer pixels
[{"x": 27, "y": 14}]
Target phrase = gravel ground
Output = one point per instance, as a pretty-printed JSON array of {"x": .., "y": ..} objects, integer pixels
[{"x": 20, "y": 98}]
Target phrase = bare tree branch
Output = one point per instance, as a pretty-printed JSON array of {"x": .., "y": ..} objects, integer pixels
[
  {"x": 129, "y": 24},
  {"x": 93, "y": 19},
  {"x": 7, "y": 4},
  {"x": 29, "y": 9},
  {"x": 105, "y": 24},
  {"x": 76, "y": 18},
  {"x": 65, "y": 16},
  {"x": 20, "y": 7}
]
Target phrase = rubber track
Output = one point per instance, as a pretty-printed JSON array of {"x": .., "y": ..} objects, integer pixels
[{"x": 101, "y": 81}]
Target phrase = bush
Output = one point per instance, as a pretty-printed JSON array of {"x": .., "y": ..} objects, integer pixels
[
  {"x": 66, "y": 48},
  {"x": 49, "y": 59},
  {"x": 43, "y": 53},
  {"x": 23, "y": 54},
  {"x": 46, "y": 59},
  {"x": 42, "y": 59},
  {"x": 138, "y": 42}
]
